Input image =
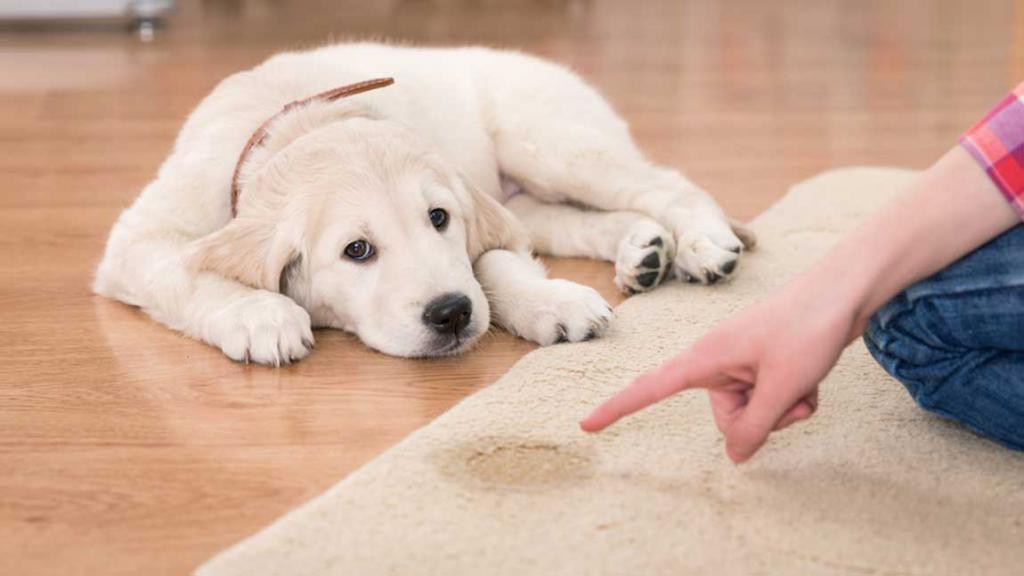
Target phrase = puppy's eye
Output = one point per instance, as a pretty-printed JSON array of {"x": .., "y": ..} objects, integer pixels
[
  {"x": 439, "y": 218},
  {"x": 360, "y": 251}
]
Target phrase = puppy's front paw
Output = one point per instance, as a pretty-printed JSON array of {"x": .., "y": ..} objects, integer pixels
[
  {"x": 644, "y": 257},
  {"x": 263, "y": 327},
  {"x": 560, "y": 311},
  {"x": 707, "y": 249}
]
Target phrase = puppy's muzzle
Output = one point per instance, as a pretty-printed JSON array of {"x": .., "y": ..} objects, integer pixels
[{"x": 448, "y": 314}]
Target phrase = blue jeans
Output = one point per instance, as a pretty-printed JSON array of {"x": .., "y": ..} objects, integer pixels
[{"x": 956, "y": 340}]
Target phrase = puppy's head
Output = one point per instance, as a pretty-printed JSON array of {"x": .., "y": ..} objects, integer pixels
[{"x": 361, "y": 223}]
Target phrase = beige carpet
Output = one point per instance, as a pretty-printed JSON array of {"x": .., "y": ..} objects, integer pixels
[{"x": 505, "y": 483}]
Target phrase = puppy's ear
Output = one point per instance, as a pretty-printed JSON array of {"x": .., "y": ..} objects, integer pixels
[
  {"x": 490, "y": 225},
  {"x": 250, "y": 251}
]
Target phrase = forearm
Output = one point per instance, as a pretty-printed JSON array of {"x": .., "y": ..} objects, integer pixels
[{"x": 949, "y": 210}]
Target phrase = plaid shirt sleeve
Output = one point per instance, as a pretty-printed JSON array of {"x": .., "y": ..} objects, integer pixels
[{"x": 997, "y": 143}]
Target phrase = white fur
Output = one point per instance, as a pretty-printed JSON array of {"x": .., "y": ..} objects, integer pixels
[{"x": 371, "y": 167}]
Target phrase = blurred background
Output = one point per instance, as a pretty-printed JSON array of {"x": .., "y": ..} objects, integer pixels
[
  {"x": 127, "y": 449},
  {"x": 746, "y": 96}
]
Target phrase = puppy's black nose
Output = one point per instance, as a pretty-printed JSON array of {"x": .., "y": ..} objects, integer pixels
[{"x": 449, "y": 313}]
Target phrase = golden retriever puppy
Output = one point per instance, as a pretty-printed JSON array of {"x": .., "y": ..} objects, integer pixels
[{"x": 298, "y": 196}]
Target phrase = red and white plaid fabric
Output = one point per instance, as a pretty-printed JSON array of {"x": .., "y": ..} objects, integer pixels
[{"x": 997, "y": 143}]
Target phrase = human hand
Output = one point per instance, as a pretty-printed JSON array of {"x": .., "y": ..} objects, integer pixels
[{"x": 761, "y": 368}]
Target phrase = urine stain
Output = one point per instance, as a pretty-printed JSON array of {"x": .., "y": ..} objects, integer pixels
[{"x": 516, "y": 464}]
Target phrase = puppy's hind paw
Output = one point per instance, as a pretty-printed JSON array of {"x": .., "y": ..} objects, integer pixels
[
  {"x": 708, "y": 250},
  {"x": 644, "y": 257}
]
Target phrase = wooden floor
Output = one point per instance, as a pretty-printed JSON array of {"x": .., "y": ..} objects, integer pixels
[{"x": 126, "y": 449}]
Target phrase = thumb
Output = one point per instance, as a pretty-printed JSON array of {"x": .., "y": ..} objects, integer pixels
[{"x": 769, "y": 402}]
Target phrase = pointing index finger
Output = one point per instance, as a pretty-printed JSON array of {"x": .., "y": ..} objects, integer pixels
[{"x": 671, "y": 377}]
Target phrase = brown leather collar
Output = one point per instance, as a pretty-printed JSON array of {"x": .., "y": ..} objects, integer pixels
[{"x": 261, "y": 133}]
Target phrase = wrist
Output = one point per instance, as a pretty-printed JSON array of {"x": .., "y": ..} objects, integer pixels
[
  {"x": 842, "y": 286},
  {"x": 870, "y": 265}
]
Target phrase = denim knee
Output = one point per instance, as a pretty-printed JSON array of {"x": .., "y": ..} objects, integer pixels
[
  {"x": 976, "y": 387},
  {"x": 901, "y": 338}
]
